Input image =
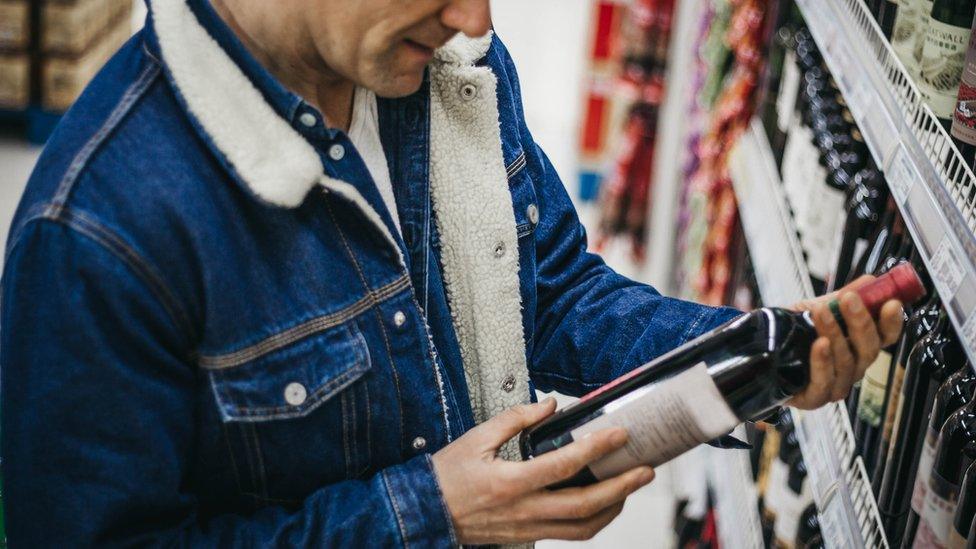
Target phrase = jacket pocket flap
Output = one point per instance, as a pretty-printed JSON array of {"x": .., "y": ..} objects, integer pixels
[{"x": 292, "y": 381}]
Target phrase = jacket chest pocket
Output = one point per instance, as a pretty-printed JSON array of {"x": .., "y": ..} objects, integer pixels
[{"x": 297, "y": 416}]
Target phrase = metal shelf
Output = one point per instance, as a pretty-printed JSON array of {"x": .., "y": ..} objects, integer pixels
[
  {"x": 930, "y": 181},
  {"x": 841, "y": 488}
]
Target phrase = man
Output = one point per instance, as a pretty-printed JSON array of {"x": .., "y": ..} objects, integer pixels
[{"x": 289, "y": 273}]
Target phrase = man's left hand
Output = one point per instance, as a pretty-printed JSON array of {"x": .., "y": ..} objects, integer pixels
[{"x": 838, "y": 362}]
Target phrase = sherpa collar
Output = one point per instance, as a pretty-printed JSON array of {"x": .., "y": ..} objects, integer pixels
[{"x": 270, "y": 157}]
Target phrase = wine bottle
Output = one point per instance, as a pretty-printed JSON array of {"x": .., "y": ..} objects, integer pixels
[
  {"x": 738, "y": 372},
  {"x": 816, "y": 542},
  {"x": 924, "y": 8},
  {"x": 964, "y": 115},
  {"x": 905, "y": 33},
  {"x": 921, "y": 322},
  {"x": 933, "y": 359},
  {"x": 809, "y": 526},
  {"x": 865, "y": 206},
  {"x": 944, "y": 55},
  {"x": 965, "y": 511},
  {"x": 951, "y": 396},
  {"x": 956, "y": 452},
  {"x": 797, "y": 497},
  {"x": 887, "y": 15}
]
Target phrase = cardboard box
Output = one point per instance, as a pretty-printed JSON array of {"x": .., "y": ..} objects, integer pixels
[
  {"x": 63, "y": 79},
  {"x": 70, "y": 28},
  {"x": 14, "y": 80},
  {"x": 14, "y": 24}
]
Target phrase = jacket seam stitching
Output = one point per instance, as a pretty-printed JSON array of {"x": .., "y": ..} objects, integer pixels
[
  {"x": 84, "y": 225},
  {"x": 134, "y": 92},
  {"x": 580, "y": 381},
  {"x": 303, "y": 330},
  {"x": 447, "y": 514},
  {"x": 396, "y": 510},
  {"x": 516, "y": 166}
]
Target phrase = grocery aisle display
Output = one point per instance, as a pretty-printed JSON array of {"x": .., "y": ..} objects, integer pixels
[{"x": 49, "y": 51}]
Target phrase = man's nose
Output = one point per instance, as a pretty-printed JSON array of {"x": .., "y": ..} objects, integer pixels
[{"x": 472, "y": 17}]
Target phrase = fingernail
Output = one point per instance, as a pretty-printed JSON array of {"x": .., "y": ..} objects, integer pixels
[
  {"x": 854, "y": 304},
  {"x": 548, "y": 401},
  {"x": 646, "y": 476}
]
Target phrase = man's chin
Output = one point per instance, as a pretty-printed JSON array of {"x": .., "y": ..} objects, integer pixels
[{"x": 400, "y": 86}]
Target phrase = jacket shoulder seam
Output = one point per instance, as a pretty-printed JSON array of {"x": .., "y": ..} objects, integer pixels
[
  {"x": 133, "y": 93},
  {"x": 85, "y": 225}
]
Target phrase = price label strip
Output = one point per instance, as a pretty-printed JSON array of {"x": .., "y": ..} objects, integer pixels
[
  {"x": 947, "y": 271},
  {"x": 902, "y": 175}
]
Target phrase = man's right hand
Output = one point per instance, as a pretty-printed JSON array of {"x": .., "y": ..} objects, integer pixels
[{"x": 496, "y": 501}]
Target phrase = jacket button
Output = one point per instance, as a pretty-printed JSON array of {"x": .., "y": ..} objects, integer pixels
[
  {"x": 509, "y": 384},
  {"x": 533, "y": 212},
  {"x": 419, "y": 443},
  {"x": 500, "y": 249},
  {"x": 399, "y": 319},
  {"x": 468, "y": 92},
  {"x": 337, "y": 152},
  {"x": 307, "y": 119},
  {"x": 295, "y": 394}
]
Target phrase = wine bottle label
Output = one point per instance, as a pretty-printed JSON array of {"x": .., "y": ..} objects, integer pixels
[
  {"x": 924, "y": 10},
  {"x": 778, "y": 474},
  {"x": 891, "y": 414},
  {"x": 663, "y": 420},
  {"x": 943, "y": 58},
  {"x": 906, "y": 29},
  {"x": 823, "y": 226},
  {"x": 936, "y": 518},
  {"x": 873, "y": 388},
  {"x": 964, "y": 116},
  {"x": 924, "y": 474},
  {"x": 788, "y": 90}
]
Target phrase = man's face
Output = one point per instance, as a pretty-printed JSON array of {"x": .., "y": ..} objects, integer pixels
[{"x": 384, "y": 45}]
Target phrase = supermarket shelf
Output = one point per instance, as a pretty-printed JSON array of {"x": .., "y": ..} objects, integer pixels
[
  {"x": 841, "y": 488},
  {"x": 928, "y": 178},
  {"x": 736, "y": 500}
]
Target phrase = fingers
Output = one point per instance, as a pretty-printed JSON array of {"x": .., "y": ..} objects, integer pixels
[
  {"x": 843, "y": 363},
  {"x": 862, "y": 333},
  {"x": 585, "y": 502},
  {"x": 578, "y": 530},
  {"x": 820, "y": 389},
  {"x": 890, "y": 322},
  {"x": 563, "y": 463},
  {"x": 490, "y": 435}
]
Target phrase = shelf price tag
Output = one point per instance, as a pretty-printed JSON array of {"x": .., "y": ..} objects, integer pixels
[
  {"x": 902, "y": 175},
  {"x": 835, "y": 520},
  {"x": 946, "y": 269},
  {"x": 968, "y": 334}
]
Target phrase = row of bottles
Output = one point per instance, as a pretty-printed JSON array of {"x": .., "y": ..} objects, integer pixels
[{"x": 935, "y": 41}]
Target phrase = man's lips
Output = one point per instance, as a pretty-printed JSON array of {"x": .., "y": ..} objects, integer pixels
[{"x": 422, "y": 49}]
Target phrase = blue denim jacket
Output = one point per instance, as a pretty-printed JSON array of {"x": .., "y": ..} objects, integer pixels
[{"x": 212, "y": 333}]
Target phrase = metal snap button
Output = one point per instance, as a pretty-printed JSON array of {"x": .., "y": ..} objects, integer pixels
[
  {"x": 399, "y": 319},
  {"x": 500, "y": 249},
  {"x": 295, "y": 394},
  {"x": 307, "y": 119},
  {"x": 337, "y": 152},
  {"x": 509, "y": 384},
  {"x": 469, "y": 92},
  {"x": 419, "y": 443},
  {"x": 533, "y": 212}
]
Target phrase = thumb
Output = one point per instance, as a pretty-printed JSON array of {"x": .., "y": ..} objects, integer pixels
[{"x": 498, "y": 430}]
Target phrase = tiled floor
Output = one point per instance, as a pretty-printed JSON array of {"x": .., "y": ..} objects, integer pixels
[{"x": 550, "y": 63}]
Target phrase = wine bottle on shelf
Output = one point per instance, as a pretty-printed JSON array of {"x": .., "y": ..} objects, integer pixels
[
  {"x": 933, "y": 359},
  {"x": 956, "y": 452},
  {"x": 865, "y": 206},
  {"x": 965, "y": 510},
  {"x": 952, "y": 395},
  {"x": 741, "y": 371},
  {"x": 944, "y": 54},
  {"x": 924, "y": 8},
  {"x": 816, "y": 542},
  {"x": 905, "y": 33},
  {"x": 887, "y": 15},
  {"x": 797, "y": 497},
  {"x": 964, "y": 116},
  {"x": 809, "y": 526},
  {"x": 783, "y": 75},
  {"x": 922, "y": 321}
]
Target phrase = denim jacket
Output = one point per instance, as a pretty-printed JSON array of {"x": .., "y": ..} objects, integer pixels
[{"x": 213, "y": 334}]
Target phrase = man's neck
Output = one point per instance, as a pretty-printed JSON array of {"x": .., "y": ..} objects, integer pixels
[{"x": 290, "y": 57}]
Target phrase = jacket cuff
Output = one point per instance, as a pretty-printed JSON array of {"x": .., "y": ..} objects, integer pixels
[{"x": 418, "y": 505}]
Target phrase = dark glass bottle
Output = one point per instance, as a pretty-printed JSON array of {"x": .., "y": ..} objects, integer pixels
[
  {"x": 738, "y": 372},
  {"x": 956, "y": 452},
  {"x": 933, "y": 359},
  {"x": 964, "y": 511},
  {"x": 944, "y": 54},
  {"x": 952, "y": 395},
  {"x": 809, "y": 526},
  {"x": 964, "y": 116},
  {"x": 887, "y": 14},
  {"x": 922, "y": 321}
]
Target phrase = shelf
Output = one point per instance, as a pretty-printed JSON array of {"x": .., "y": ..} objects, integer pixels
[
  {"x": 841, "y": 488},
  {"x": 932, "y": 185}
]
